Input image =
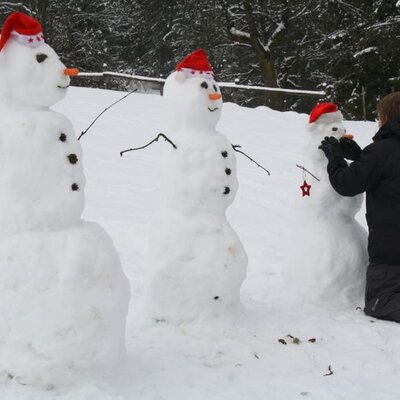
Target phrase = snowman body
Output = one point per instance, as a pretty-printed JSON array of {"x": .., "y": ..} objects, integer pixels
[
  {"x": 40, "y": 160},
  {"x": 196, "y": 262},
  {"x": 329, "y": 254},
  {"x": 63, "y": 295}
]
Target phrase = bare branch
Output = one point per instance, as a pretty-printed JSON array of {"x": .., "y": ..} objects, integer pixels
[
  {"x": 107, "y": 108},
  {"x": 236, "y": 146},
  {"x": 148, "y": 144}
]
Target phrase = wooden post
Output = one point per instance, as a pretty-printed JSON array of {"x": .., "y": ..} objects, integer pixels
[{"x": 363, "y": 93}]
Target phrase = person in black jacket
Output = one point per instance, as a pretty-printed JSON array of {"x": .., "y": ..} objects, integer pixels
[{"x": 376, "y": 171}]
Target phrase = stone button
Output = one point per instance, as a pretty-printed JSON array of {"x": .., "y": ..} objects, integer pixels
[
  {"x": 63, "y": 137},
  {"x": 75, "y": 187},
  {"x": 73, "y": 158},
  {"x": 227, "y": 190},
  {"x": 224, "y": 153},
  {"x": 228, "y": 171}
]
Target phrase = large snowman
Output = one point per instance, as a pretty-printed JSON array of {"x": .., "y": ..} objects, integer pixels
[
  {"x": 328, "y": 253},
  {"x": 196, "y": 262},
  {"x": 63, "y": 295}
]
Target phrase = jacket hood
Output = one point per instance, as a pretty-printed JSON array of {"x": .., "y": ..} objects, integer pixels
[{"x": 391, "y": 128}]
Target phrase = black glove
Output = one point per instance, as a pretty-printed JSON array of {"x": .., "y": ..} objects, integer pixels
[
  {"x": 351, "y": 150},
  {"x": 332, "y": 148}
]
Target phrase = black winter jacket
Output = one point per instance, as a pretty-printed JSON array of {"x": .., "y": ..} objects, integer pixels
[{"x": 377, "y": 172}]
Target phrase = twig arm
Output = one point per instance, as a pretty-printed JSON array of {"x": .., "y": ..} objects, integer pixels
[
  {"x": 237, "y": 146},
  {"x": 107, "y": 108},
  {"x": 308, "y": 172},
  {"x": 148, "y": 144}
]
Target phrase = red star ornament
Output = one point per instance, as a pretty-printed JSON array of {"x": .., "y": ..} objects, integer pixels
[{"x": 305, "y": 188}]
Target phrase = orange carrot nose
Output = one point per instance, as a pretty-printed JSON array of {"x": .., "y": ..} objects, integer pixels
[
  {"x": 214, "y": 96},
  {"x": 71, "y": 71},
  {"x": 348, "y": 136}
]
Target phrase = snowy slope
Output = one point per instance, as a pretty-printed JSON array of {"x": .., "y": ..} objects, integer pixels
[{"x": 235, "y": 362}]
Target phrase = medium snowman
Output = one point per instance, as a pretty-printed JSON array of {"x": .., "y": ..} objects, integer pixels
[
  {"x": 63, "y": 295},
  {"x": 196, "y": 262},
  {"x": 329, "y": 247}
]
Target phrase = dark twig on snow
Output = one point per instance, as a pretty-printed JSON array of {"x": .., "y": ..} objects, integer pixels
[
  {"x": 237, "y": 146},
  {"x": 107, "y": 108},
  {"x": 148, "y": 144},
  {"x": 330, "y": 371},
  {"x": 308, "y": 172}
]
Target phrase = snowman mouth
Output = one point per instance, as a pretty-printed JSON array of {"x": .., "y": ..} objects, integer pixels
[
  {"x": 213, "y": 109},
  {"x": 63, "y": 87}
]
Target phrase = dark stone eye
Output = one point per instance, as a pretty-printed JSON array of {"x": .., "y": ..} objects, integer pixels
[
  {"x": 204, "y": 85},
  {"x": 334, "y": 129},
  {"x": 40, "y": 57},
  {"x": 215, "y": 88}
]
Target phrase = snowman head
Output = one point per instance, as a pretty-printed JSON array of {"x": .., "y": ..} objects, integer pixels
[
  {"x": 31, "y": 74},
  {"x": 193, "y": 96},
  {"x": 326, "y": 120}
]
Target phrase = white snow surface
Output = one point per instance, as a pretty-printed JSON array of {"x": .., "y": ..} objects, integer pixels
[{"x": 222, "y": 360}]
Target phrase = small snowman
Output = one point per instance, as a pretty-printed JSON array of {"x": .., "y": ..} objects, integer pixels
[
  {"x": 63, "y": 295},
  {"x": 196, "y": 262},
  {"x": 329, "y": 247}
]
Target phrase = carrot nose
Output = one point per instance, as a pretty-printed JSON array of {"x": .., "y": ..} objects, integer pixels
[
  {"x": 348, "y": 136},
  {"x": 71, "y": 71},
  {"x": 214, "y": 96}
]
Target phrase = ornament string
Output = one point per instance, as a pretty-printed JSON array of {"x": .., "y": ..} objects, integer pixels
[
  {"x": 148, "y": 144},
  {"x": 107, "y": 108},
  {"x": 238, "y": 146},
  {"x": 308, "y": 172}
]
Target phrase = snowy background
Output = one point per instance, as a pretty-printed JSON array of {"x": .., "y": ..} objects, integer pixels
[{"x": 244, "y": 360}]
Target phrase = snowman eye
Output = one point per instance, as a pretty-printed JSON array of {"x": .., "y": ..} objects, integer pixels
[
  {"x": 40, "y": 57},
  {"x": 334, "y": 129},
  {"x": 204, "y": 85},
  {"x": 215, "y": 88}
]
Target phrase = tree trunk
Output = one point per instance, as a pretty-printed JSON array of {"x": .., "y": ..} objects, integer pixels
[{"x": 273, "y": 99}]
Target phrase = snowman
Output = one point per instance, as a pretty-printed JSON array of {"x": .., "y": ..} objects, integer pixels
[
  {"x": 329, "y": 247},
  {"x": 63, "y": 295},
  {"x": 196, "y": 262}
]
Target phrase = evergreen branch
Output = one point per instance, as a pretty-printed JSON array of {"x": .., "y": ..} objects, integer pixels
[
  {"x": 107, "y": 108},
  {"x": 308, "y": 172},
  {"x": 148, "y": 144},
  {"x": 236, "y": 146}
]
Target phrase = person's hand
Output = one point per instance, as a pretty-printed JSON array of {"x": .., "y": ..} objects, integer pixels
[
  {"x": 331, "y": 148},
  {"x": 351, "y": 150}
]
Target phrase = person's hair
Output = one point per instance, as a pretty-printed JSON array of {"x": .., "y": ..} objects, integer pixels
[{"x": 388, "y": 107}]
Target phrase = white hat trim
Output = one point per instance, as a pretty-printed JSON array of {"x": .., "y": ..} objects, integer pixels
[
  {"x": 194, "y": 73},
  {"x": 29, "y": 40}
]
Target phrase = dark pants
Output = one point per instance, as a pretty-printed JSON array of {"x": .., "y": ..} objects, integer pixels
[{"x": 382, "y": 293}]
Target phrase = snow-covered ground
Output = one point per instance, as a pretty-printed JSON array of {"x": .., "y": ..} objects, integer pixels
[{"x": 245, "y": 359}]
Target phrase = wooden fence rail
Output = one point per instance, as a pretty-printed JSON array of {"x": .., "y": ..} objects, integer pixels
[{"x": 156, "y": 84}]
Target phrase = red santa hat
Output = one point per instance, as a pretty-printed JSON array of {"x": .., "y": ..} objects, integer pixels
[
  {"x": 320, "y": 109},
  {"x": 326, "y": 113},
  {"x": 25, "y": 29},
  {"x": 195, "y": 65}
]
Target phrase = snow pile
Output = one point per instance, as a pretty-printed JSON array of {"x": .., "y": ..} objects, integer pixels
[
  {"x": 63, "y": 295},
  {"x": 328, "y": 257},
  {"x": 196, "y": 263}
]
